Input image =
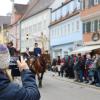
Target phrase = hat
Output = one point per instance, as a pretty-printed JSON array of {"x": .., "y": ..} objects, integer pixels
[{"x": 4, "y": 57}]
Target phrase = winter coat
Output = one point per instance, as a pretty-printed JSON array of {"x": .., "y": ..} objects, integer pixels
[
  {"x": 37, "y": 51},
  {"x": 12, "y": 91},
  {"x": 12, "y": 51}
]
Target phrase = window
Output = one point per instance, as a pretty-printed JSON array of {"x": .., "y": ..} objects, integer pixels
[
  {"x": 53, "y": 16},
  {"x": 95, "y": 25},
  {"x": 84, "y": 25},
  {"x": 99, "y": 25},
  {"x": 60, "y": 31},
  {"x": 99, "y": 1},
  {"x": 64, "y": 10},
  {"x": 58, "y": 14},
  {"x": 44, "y": 24},
  {"x": 83, "y": 4},
  {"x": 63, "y": 29},
  {"x": 91, "y": 3},
  {"x": 78, "y": 4},
  {"x": 71, "y": 6},
  {"x": 77, "y": 25},
  {"x": 96, "y": 2},
  {"x": 92, "y": 26},
  {"x": 68, "y": 28},
  {"x": 33, "y": 28},
  {"x": 88, "y": 27},
  {"x": 72, "y": 26},
  {"x": 30, "y": 29},
  {"x": 52, "y": 34},
  {"x": 39, "y": 26},
  {"x": 55, "y": 32}
]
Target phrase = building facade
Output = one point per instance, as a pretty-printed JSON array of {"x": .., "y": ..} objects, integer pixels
[
  {"x": 65, "y": 28},
  {"x": 4, "y": 23},
  {"x": 18, "y": 11},
  {"x": 90, "y": 16},
  {"x": 34, "y": 25}
]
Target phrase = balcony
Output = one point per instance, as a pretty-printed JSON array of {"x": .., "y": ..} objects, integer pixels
[{"x": 90, "y": 12}]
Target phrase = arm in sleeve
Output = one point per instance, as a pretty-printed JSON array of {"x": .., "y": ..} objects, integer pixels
[{"x": 29, "y": 91}]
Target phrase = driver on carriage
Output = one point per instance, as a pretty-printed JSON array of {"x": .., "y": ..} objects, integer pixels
[{"x": 37, "y": 51}]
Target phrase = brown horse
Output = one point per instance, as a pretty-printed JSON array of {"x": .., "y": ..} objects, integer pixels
[{"x": 38, "y": 65}]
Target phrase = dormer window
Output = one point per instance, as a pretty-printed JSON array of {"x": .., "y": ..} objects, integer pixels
[
  {"x": 64, "y": 10},
  {"x": 71, "y": 7},
  {"x": 53, "y": 16},
  {"x": 58, "y": 12}
]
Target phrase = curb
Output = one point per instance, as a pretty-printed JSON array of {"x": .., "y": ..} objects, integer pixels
[{"x": 81, "y": 84}]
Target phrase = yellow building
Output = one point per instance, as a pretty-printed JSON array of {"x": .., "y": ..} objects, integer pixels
[
  {"x": 4, "y": 23},
  {"x": 3, "y": 39}
]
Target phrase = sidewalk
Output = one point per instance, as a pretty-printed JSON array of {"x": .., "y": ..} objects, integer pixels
[{"x": 72, "y": 81}]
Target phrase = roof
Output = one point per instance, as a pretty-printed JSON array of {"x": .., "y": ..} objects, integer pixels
[
  {"x": 20, "y": 8},
  {"x": 36, "y": 6},
  {"x": 5, "y": 20}
]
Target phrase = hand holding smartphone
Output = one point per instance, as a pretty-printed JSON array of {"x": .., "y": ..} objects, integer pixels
[{"x": 22, "y": 64}]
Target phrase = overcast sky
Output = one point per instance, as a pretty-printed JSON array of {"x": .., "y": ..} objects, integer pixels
[{"x": 6, "y": 5}]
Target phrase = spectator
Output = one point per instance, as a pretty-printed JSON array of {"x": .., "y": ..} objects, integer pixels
[
  {"x": 76, "y": 68},
  {"x": 98, "y": 70},
  {"x": 11, "y": 49},
  {"x": 54, "y": 63},
  {"x": 12, "y": 91},
  {"x": 87, "y": 65},
  {"x": 81, "y": 67},
  {"x": 59, "y": 65}
]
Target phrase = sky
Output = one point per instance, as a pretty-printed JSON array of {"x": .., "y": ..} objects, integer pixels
[{"x": 6, "y": 6}]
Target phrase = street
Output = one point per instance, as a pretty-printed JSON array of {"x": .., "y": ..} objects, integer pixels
[{"x": 56, "y": 89}]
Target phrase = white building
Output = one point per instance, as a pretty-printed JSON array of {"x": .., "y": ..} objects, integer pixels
[
  {"x": 65, "y": 28},
  {"x": 34, "y": 25}
]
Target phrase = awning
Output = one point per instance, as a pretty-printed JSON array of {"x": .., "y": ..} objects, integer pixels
[{"x": 85, "y": 49}]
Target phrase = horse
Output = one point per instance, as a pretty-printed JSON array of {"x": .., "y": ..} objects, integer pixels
[{"x": 38, "y": 65}]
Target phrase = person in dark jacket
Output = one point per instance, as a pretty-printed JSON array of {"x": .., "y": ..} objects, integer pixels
[
  {"x": 11, "y": 49},
  {"x": 37, "y": 51},
  {"x": 10, "y": 90}
]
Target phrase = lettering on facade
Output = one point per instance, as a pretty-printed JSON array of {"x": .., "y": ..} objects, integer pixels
[{"x": 95, "y": 36}]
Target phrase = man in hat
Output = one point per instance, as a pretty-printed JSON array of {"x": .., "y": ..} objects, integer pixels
[{"x": 12, "y": 91}]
